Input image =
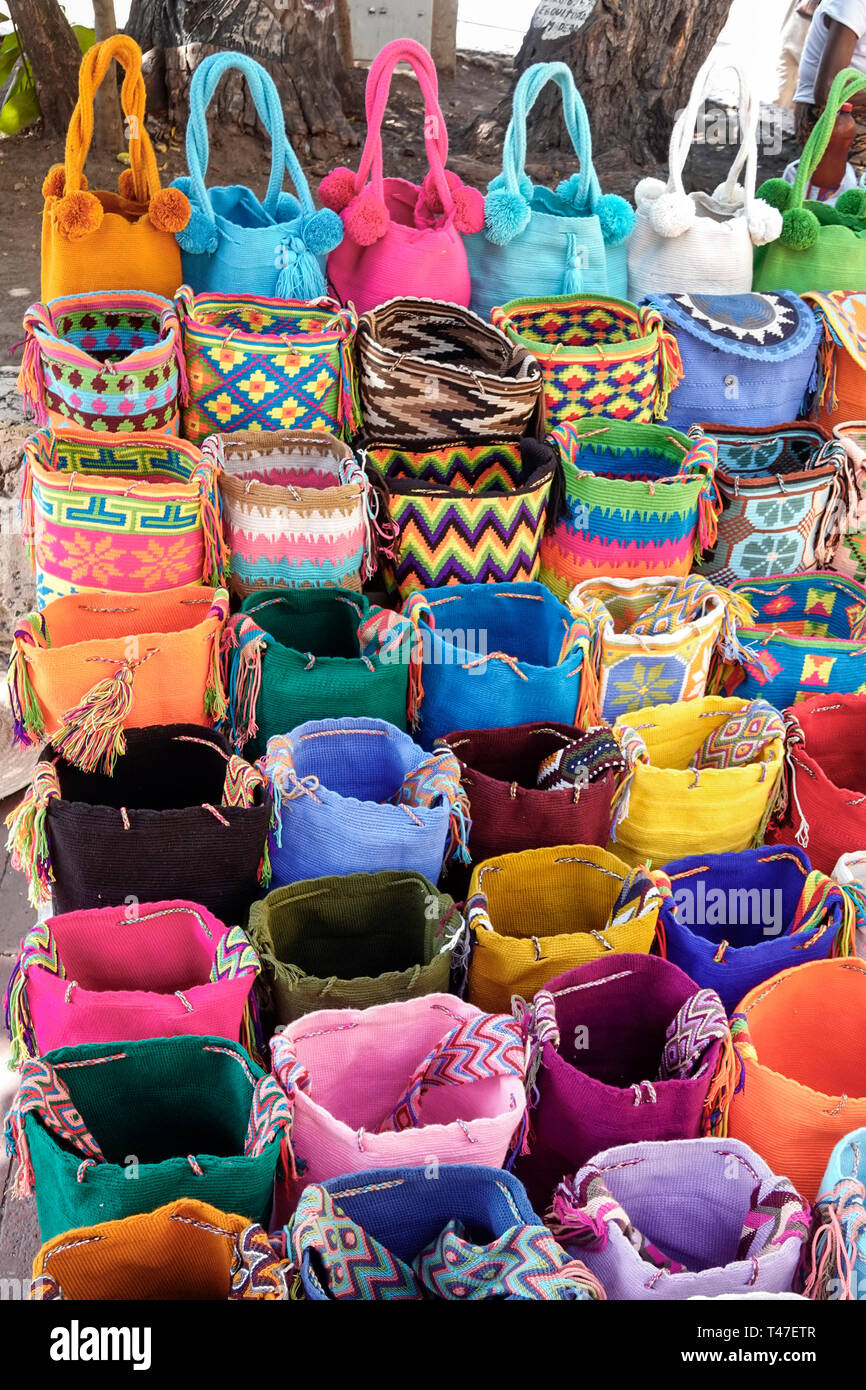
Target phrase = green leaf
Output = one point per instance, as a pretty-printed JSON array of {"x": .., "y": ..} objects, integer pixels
[
  {"x": 21, "y": 107},
  {"x": 7, "y": 63},
  {"x": 86, "y": 37}
]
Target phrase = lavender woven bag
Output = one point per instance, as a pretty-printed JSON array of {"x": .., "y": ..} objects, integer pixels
[
  {"x": 686, "y": 1218},
  {"x": 623, "y": 1049}
]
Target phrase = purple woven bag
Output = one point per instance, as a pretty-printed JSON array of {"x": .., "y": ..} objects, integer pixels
[
  {"x": 625, "y": 1049},
  {"x": 683, "y": 1218}
]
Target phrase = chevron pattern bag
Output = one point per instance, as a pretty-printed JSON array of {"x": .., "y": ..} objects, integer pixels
[
  {"x": 376, "y": 1087},
  {"x": 431, "y": 370},
  {"x": 392, "y": 1234},
  {"x": 106, "y": 361},
  {"x": 136, "y": 514},
  {"x": 534, "y": 914},
  {"x": 195, "y": 1115},
  {"x": 466, "y": 513},
  {"x": 637, "y": 1216},
  {"x": 255, "y": 363},
  {"x": 599, "y": 356},
  {"x": 139, "y": 971},
  {"x": 838, "y": 1265}
]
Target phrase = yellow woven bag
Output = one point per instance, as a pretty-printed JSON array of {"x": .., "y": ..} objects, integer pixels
[{"x": 110, "y": 241}]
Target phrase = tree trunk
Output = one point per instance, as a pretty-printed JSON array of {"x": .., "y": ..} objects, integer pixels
[
  {"x": 296, "y": 40},
  {"x": 634, "y": 62},
  {"x": 52, "y": 51},
  {"x": 108, "y": 132}
]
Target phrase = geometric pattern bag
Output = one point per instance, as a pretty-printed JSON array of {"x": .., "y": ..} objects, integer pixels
[
  {"x": 105, "y": 361},
  {"x": 838, "y": 1265},
  {"x": 850, "y": 554},
  {"x": 841, "y": 316},
  {"x": 685, "y": 1218},
  {"x": 599, "y": 356},
  {"x": 257, "y": 363},
  {"x": 786, "y": 491},
  {"x": 471, "y": 512},
  {"x": 136, "y": 512},
  {"x": 183, "y": 1117},
  {"x": 142, "y": 970},
  {"x": 431, "y": 370}
]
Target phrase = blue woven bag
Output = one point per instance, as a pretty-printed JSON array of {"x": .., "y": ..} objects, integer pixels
[
  {"x": 538, "y": 242},
  {"x": 356, "y": 796},
  {"x": 496, "y": 655},
  {"x": 737, "y": 919},
  {"x": 394, "y": 1234},
  {"x": 747, "y": 359},
  {"x": 234, "y": 244},
  {"x": 838, "y": 1265}
]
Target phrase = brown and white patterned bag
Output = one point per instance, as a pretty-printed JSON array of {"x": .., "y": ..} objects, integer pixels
[{"x": 431, "y": 370}]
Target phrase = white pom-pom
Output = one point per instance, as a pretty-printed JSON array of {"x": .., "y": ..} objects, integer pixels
[
  {"x": 672, "y": 214},
  {"x": 736, "y": 199},
  {"x": 765, "y": 223},
  {"x": 647, "y": 190}
]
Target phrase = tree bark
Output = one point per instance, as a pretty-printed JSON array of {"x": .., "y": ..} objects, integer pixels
[
  {"x": 296, "y": 40},
  {"x": 634, "y": 62},
  {"x": 108, "y": 132},
  {"x": 52, "y": 51}
]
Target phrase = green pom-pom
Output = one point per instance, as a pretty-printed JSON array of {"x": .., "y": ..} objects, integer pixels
[
  {"x": 852, "y": 203},
  {"x": 800, "y": 229},
  {"x": 777, "y": 192}
]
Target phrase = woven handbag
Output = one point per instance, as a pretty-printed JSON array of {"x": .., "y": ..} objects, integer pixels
[
  {"x": 542, "y": 241},
  {"x": 471, "y": 512},
  {"x": 94, "y": 240},
  {"x": 824, "y": 809},
  {"x": 800, "y": 1088},
  {"x": 431, "y": 370},
  {"x": 850, "y": 554},
  {"x": 822, "y": 246},
  {"x": 683, "y": 1219},
  {"x": 352, "y": 795},
  {"x": 640, "y": 501},
  {"x": 138, "y": 515},
  {"x": 499, "y": 661},
  {"x": 184, "y": 1251},
  {"x": 105, "y": 361},
  {"x": 653, "y": 639},
  {"x": 747, "y": 359},
  {"x": 181, "y": 817},
  {"x": 787, "y": 494},
  {"x": 738, "y": 919},
  {"x": 353, "y": 941},
  {"x": 297, "y": 508},
  {"x": 535, "y": 914},
  {"x": 401, "y": 238},
  {"x": 233, "y": 243},
  {"x": 513, "y": 806},
  {"x": 87, "y": 668},
  {"x": 841, "y": 385},
  {"x": 292, "y": 655},
  {"x": 598, "y": 356},
  {"x": 808, "y": 637},
  {"x": 701, "y": 243},
  {"x": 849, "y": 872},
  {"x": 387, "y": 1087},
  {"x": 838, "y": 1265},
  {"x": 266, "y": 364},
  {"x": 676, "y": 803},
  {"x": 185, "y": 1117},
  {"x": 392, "y": 1234},
  {"x": 143, "y": 970},
  {"x": 623, "y": 1049}
]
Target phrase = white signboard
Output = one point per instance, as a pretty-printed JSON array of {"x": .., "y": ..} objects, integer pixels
[{"x": 558, "y": 18}]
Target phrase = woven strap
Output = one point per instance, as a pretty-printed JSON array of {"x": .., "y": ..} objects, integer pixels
[
  {"x": 683, "y": 134},
  {"x": 846, "y": 85},
  {"x": 94, "y": 68},
  {"x": 530, "y": 86}
]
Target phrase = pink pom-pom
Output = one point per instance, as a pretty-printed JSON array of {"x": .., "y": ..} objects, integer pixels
[
  {"x": 337, "y": 189},
  {"x": 468, "y": 203},
  {"x": 366, "y": 218},
  {"x": 469, "y": 216}
]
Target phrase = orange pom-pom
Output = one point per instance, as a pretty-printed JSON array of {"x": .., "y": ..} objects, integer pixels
[
  {"x": 126, "y": 184},
  {"x": 78, "y": 214},
  {"x": 169, "y": 210},
  {"x": 54, "y": 183}
]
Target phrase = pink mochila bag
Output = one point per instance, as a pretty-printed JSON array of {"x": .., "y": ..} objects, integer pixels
[
  {"x": 401, "y": 239},
  {"x": 142, "y": 970},
  {"x": 401, "y": 1085}
]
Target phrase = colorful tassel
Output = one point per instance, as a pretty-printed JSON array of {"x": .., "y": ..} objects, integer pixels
[
  {"x": 91, "y": 736},
  {"x": 27, "y": 844},
  {"x": 216, "y": 550},
  {"x": 215, "y": 706},
  {"x": 243, "y": 647}
]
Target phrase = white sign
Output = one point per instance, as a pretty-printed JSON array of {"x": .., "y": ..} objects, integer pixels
[{"x": 558, "y": 18}]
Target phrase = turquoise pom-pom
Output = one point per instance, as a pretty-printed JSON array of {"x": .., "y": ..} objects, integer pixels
[
  {"x": 800, "y": 229},
  {"x": 525, "y": 185},
  {"x": 616, "y": 217},
  {"x": 506, "y": 215},
  {"x": 323, "y": 231},
  {"x": 200, "y": 236},
  {"x": 568, "y": 189},
  {"x": 852, "y": 203},
  {"x": 777, "y": 192}
]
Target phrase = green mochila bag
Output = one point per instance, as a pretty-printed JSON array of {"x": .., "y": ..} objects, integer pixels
[
  {"x": 351, "y": 941},
  {"x": 821, "y": 247},
  {"x": 108, "y": 1130}
]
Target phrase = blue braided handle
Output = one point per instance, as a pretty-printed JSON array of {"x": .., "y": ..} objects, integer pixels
[{"x": 530, "y": 86}]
